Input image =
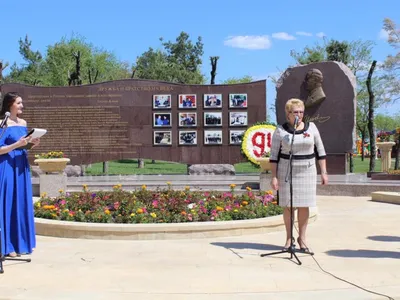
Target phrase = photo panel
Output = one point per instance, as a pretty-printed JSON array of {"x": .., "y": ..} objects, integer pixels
[
  {"x": 212, "y": 119},
  {"x": 237, "y": 100},
  {"x": 187, "y": 137},
  {"x": 162, "y": 138},
  {"x": 212, "y": 101},
  {"x": 187, "y": 119},
  {"x": 162, "y": 119},
  {"x": 187, "y": 101},
  {"x": 238, "y": 118},
  {"x": 213, "y": 137},
  {"x": 236, "y": 137},
  {"x": 162, "y": 101}
]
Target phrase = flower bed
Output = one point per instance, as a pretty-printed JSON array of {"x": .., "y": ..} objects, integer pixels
[{"x": 159, "y": 206}]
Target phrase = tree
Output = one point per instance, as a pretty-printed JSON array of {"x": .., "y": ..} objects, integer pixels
[
  {"x": 61, "y": 62},
  {"x": 54, "y": 68},
  {"x": 213, "y": 73},
  {"x": 31, "y": 72},
  {"x": 392, "y": 62},
  {"x": 177, "y": 62},
  {"x": 371, "y": 110},
  {"x": 236, "y": 80}
]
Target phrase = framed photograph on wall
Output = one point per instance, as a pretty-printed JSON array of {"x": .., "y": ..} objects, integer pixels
[
  {"x": 213, "y": 119},
  {"x": 162, "y": 119},
  {"x": 187, "y": 119},
  {"x": 238, "y": 118},
  {"x": 161, "y": 101},
  {"x": 237, "y": 100},
  {"x": 213, "y": 137},
  {"x": 236, "y": 137},
  {"x": 212, "y": 101},
  {"x": 187, "y": 101},
  {"x": 188, "y": 137},
  {"x": 162, "y": 138}
]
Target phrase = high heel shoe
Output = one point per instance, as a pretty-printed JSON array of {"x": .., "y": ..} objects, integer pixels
[{"x": 303, "y": 249}]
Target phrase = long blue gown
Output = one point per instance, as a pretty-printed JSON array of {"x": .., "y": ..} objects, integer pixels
[{"x": 16, "y": 205}]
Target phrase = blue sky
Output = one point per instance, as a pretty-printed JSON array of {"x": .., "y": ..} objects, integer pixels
[{"x": 252, "y": 37}]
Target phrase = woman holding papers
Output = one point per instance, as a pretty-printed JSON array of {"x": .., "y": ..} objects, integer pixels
[{"x": 16, "y": 205}]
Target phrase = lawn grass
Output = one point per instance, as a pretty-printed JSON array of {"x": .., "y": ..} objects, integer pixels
[{"x": 130, "y": 167}]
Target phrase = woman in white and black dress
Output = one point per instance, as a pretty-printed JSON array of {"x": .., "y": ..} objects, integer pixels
[{"x": 307, "y": 148}]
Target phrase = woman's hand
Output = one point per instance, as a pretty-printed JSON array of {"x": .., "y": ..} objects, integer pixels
[
  {"x": 324, "y": 179},
  {"x": 35, "y": 142},
  {"x": 23, "y": 141},
  {"x": 274, "y": 183}
]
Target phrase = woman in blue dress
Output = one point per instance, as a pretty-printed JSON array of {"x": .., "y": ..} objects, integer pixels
[{"x": 16, "y": 204}]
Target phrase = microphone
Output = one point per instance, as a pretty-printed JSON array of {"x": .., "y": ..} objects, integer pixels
[
  {"x": 4, "y": 122},
  {"x": 296, "y": 122}
]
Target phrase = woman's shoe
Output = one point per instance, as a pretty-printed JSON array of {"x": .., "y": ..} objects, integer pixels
[
  {"x": 304, "y": 249},
  {"x": 12, "y": 254}
]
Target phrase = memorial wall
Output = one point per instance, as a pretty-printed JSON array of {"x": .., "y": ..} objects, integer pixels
[{"x": 194, "y": 124}]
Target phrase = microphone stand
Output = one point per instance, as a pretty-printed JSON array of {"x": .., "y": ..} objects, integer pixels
[
  {"x": 3, "y": 257},
  {"x": 292, "y": 248}
]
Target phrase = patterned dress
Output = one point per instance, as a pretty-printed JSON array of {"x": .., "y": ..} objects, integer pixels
[{"x": 307, "y": 147}]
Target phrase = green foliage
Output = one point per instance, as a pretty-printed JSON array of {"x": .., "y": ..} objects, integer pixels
[
  {"x": 392, "y": 62},
  {"x": 54, "y": 68},
  {"x": 177, "y": 62},
  {"x": 234, "y": 80},
  {"x": 160, "y": 206}
]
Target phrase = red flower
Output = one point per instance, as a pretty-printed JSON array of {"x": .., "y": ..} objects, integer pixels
[{"x": 306, "y": 134}]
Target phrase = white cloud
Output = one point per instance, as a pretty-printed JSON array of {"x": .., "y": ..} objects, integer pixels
[
  {"x": 320, "y": 34},
  {"x": 304, "y": 33},
  {"x": 252, "y": 42},
  {"x": 283, "y": 36},
  {"x": 383, "y": 35}
]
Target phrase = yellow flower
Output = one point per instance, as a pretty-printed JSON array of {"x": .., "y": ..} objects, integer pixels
[
  {"x": 85, "y": 186},
  {"x": 187, "y": 188},
  {"x": 153, "y": 215},
  {"x": 235, "y": 210},
  {"x": 37, "y": 204},
  {"x": 61, "y": 191},
  {"x": 269, "y": 192},
  {"x": 245, "y": 202},
  {"x": 144, "y": 187},
  {"x": 219, "y": 208},
  {"x": 248, "y": 188},
  {"x": 232, "y": 185},
  {"x": 133, "y": 214},
  {"x": 107, "y": 212},
  {"x": 43, "y": 195},
  {"x": 139, "y": 211}
]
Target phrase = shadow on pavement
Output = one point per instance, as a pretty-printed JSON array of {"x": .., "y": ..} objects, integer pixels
[
  {"x": 364, "y": 253},
  {"x": 384, "y": 238},
  {"x": 254, "y": 246}
]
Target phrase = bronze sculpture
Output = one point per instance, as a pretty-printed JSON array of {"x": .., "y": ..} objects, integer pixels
[{"x": 313, "y": 84}]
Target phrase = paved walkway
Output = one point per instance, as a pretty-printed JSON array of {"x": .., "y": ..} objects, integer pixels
[{"x": 353, "y": 238}]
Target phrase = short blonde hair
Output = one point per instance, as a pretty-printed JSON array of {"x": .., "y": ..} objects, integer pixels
[{"x": 293, "y": 102}]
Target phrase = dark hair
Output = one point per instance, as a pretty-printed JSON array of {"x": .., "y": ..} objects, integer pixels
[{"x": 8, "y": 101}]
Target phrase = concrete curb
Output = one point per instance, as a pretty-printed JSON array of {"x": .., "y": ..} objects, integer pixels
[
  {"x": 387, "y": 197},
  {"x": 193, "y": 230}
]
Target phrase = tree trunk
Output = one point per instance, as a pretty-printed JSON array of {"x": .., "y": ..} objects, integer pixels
[
  {"x": 362, "y": 146},
  {"x": 351, "y": 159},
  {"x": 140, "y": 163},
  {"x": 105, "y": 167},
  {"x": 371, "y": 125},
  {"x": 213, "y": 60},
  {"x": 396, "y": 162}
]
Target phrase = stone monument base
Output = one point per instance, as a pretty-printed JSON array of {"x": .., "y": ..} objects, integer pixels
[
  {"x": 51, "y": 184},
  {"x": 209, "y": 169}
]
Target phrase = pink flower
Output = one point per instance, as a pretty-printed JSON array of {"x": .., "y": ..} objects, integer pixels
[
  {"x": 190, "y": 217},
  {"x": 62, "y": 202},
  {"x": 228, "y": 208},
  {"x": 226, "y": 195},
  {"x": 155, "y": 203}
]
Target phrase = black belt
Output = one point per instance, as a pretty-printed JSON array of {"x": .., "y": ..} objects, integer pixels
[{"x": 297, "y": 157}]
